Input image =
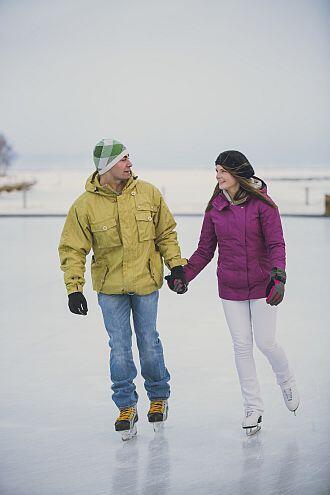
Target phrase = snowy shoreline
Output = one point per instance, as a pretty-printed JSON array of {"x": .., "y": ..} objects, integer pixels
[{"x": 296, "y": 191}]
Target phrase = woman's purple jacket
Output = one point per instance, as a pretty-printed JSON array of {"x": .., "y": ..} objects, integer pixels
[{"x": 250, "y": 242}]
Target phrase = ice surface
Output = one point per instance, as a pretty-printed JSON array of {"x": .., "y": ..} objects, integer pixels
[{"x": 57, "y": 435}]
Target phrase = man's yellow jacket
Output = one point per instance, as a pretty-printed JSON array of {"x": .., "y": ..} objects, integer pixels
[{"x": 130, "y": 233}]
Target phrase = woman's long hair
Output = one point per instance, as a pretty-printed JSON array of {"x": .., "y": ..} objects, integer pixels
[{"x": 245, "y": 189}]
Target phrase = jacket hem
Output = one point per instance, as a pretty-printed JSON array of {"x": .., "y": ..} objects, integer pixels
[{"x": 246, "y": 295}]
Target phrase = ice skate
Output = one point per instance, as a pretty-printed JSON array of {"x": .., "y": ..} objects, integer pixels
[
  {"x": 251, "y": 422},
  {"x": 125, "y": 423},
  {"x": 157, "y": 413},
  {"x": 291, "y": 396}
]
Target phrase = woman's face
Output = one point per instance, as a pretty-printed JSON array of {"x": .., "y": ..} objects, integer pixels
[{"x": 224, "y": 178}]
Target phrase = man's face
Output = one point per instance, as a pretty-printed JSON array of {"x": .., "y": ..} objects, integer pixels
[{"x": 122, "y": 169}]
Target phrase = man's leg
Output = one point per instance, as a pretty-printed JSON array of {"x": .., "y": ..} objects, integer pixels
[
  {"x": 116, "y": 311},
  {"x": 154, "y": 372}
]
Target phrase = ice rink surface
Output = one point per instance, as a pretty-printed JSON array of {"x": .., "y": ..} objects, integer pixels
[{"x": 57, "y": 434}]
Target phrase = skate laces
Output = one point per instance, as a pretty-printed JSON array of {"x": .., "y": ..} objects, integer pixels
[
  {"x": 288, "y": 393},
  {"x": 126, "y": 414},
  {"x": 156, "y": 406}
]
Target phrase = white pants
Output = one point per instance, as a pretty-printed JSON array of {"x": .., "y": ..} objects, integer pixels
[{"x": 241, "y": 317}]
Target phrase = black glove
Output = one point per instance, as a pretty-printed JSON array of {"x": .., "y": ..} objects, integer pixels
[
  {"x": 77, "y": 303},
  {"x": 177, "y": 281},
  {"x": 275, "y": 288}
]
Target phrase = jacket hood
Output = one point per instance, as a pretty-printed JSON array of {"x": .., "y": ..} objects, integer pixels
[
  {"x": 93, "y": 185},
  {"x": 259, "y": 184}
]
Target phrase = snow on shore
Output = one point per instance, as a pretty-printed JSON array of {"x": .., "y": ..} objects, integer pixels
[{"x": 296, "y": 191}]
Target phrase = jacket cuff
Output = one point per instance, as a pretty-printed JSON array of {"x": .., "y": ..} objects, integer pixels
[
  {"x": 74, "y": 288},
  {"x": 278, "y": 264},
  {"x": 178, "y": 262}
]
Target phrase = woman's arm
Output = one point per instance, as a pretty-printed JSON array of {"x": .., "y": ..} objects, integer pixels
[
  {"x": 205, "y": 250},
  {"x": 273, "y": 235}
]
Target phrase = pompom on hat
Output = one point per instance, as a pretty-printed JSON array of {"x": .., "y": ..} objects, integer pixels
[
  {"x": 107, "y": 153},
  {"x": 237, "y": 162}
]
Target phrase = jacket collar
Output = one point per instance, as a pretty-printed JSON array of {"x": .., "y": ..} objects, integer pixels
[
  {"x": 232, "y": 201},
  {"x": 93, "y": 185},
  {"x": 220, "y": 202}
]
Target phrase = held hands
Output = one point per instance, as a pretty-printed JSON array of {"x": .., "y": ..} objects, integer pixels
[
  {"x": 77, "y": 303},
  {"x": 275, "y": 288},
  {"x": 176, "y": 281}
]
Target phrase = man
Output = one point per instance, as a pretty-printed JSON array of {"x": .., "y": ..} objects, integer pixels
[{"x": 131, "y": 231}]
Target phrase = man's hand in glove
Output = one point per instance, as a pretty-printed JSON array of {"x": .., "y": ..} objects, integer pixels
[
  {"x": 275, "y": 288},
  {"x": 77, "y": 303},
  {"x": 176, "y": 281}
]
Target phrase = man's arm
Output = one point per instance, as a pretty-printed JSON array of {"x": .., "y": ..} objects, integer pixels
[
  {"x": 75, "y": 244},
  {"x": 166, "y": 237}
]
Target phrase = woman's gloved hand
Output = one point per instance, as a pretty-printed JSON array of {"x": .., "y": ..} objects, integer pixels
[
  {"x": 275, "y": 288},
  {"x": 176, "y": 281},
  {"x": 77, "y": 303}
]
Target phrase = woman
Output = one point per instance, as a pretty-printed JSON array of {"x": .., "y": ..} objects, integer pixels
[{"x": 245, "y": 224}]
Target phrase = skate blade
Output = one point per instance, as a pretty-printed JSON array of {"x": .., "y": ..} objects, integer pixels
[
  {"x": 158, "y": 426},
  {"x": 128, "y": 434},
  {"x": 250, "y": 431},
  {"x": 295, "y": 411}
]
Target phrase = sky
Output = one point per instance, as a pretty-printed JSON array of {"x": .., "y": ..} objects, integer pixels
[{"x": 178, "y": 81}]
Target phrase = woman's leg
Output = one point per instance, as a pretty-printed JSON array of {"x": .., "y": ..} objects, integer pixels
[
  {"x": 264, "y": 330},
  {"x": 238, "y": 318}
]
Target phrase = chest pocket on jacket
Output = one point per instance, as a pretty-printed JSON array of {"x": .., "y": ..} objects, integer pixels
[
  {"x": 106, "y": 234},
  {"x": 253, "y": 225},
  {"x": 145, "y": 225},
  {"x": 144, "y": 214}
]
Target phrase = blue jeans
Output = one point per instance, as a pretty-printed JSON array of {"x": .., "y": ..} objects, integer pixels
[{"x": 116, "y": 309}]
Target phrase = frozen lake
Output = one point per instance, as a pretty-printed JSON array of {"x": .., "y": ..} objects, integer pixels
[{"x": 57, "y": 434}]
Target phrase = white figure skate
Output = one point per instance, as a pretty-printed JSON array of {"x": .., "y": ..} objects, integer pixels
[
  {"x": 291, "y": 396},
  {"x": 252, "y": 422}
]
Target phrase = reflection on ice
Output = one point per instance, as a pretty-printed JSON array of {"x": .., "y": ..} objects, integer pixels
[
  {"x": 156, "y": 477},
  {"x": 252, "y": 447},
  {"x": 126, "y": 468},
  {"x": 149, "y": 474}
]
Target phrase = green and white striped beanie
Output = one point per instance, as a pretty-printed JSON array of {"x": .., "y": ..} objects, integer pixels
[{"x": 107, "y": 153}]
